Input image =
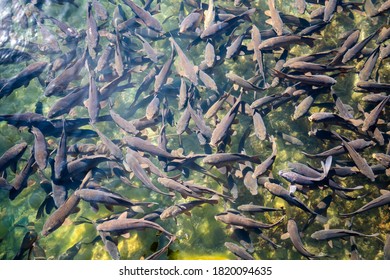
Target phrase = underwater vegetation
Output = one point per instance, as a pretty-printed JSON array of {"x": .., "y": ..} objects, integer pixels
[{"x": 194, "y": 129}]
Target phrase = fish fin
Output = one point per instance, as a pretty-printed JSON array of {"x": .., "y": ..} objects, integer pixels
[
  {"x": 236, "y": 87},
  {"x": 137, "y": 209},
  {"x": 144, "y": 165},
  {"x": 285, "y": 236},
  {"x": 188, "y": 214},
  {"x": 126, "y": 235},
  {"x": 94, "y": 206},
  {"x": 330, "y": 243},
  {"x": 123, "y": 216},
  {"x": 267, "y": 13},
  {"x": 109, "y": 207}
]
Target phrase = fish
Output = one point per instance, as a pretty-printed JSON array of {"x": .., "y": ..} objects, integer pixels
[
  {"x": 349, "y": 42},
  {"x": 252, "y": 208},
  {"x": 92, "y": 35},
  {"x": 382, "y": 200},
  {"x": 313, "y": 80},
  {"x": 40, "y": 148},
  {"x": 122, "y": 225},
  {"x": 239, "y": 251},
  {"x": 267, "y": 163},
  {"x": 330, "y": 9},
  {"x": 188, "y": 70},
  {"x": 293, "y": 232},
  {"x": 192, "y": 21},
  {"x": 223, "y": 159},
  {"x": 177, "y": 209},
  {"x": 284, "y": 41},
  {"x": 237, "y": 220},
  {"x": 281, "y": 192},
  {"x": 65, "y": 104},
  {"x": 366, "y": 71},
  {"x": 176, "y": 186},
  {"x": 372, "y": 118},
  {"x": 11, "y": 56},
  {"x": 221, "y": 130},
  {"x": 148, "y": 49},
  {"x": 27, "y": 243},
  {"x": 328, "y": 234},
  {"x": 217, "y": 28},
  {"x": 241, "y": 82},
  {"x": 139, "y": 144},
  {"x": 145, "y": 16},
  {"x": 12, "y": 156},
  {"x": 356, "y": 49},
  {"x": 276, "y": 21},
  {"x": 23, "y": 78},
  {"x": 61, "y": 82},
  {"x": 359, "y": 161},
  {"x": 107, "y": 197},
  {"x": 55, "y": 220},
  {"x": 132, "y": 164},
  {"x": 386, "y": 249}
]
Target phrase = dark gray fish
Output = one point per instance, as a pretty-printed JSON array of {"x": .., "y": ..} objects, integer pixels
[
  {"x": 285, "y": 41},
  {"x": 252, "y": 208},
  {"x": 122, "y": 123},
  {"x": 187, "y": 69},
  {"x": 373, "y": 86},
  {"x": 114, "y": 150},
  {"x": 239, "y": 251},
  {"x": 28, "y": 240},
  {"x": 330, "y": 9},
  {"x": 350, "y": 41},
  {"x": 276, "y": 21},
  {"x": 92, "y": 36},
  {"x": 151, "y": 53},
  {"x": 386, "y": 249},
  {"x": 123, "y": 225},
  {"x": 358, "y": 144},
  {"x": 23, "y": 78},
  {"x": 213, "y": 30},
  {"x": 178, "y": 187},
  {"x": 132, "y": 164},
  {"x": 241, "y": 82},
  {"x": 107, "y": 197},
  {"x": 224, "y": 159},
  {"x": 304, "y": 106},
  {"x": 100, "y": 11},
  {"x": 296, "y": 240},
  {"x": 12, "y": 156},
  {"x": 267, "y": 163},
  {"x": 291, "y": 139},
  {"x": 359, "y": 161},
  {"x": 192, "y": 21},
  {"x": 177, "y": 209},
  {"x": 63, "y": 105},
  {"x": 357, "y": 48},
  {"x": 139, "y": 144},
  {"x": 162, "y": 77},
  {"x": 71, "y": 252},
  {"x": 281, "y": 192},
  {"x": 328, "y": 234},
  {"x": 145, "y": 16},
  {"x": 21, "y": 180},
  {"x": 55, "y": 220},
  {"x": 61, "y": 82},
  {"x": 303, "y": 66},
  {"x": 221, "y": 130},
  {"x": 382, "y": 200},
  {"x": 40, "y": 148},
  {"x": 372, "y": 118},
  {"x": 384, "y": 159},
  {"x": 314, "y": 80},
  {"x": 84, "y": 164},
  {"x": 238, "y": 220},
  {"x": 11, "y": 56},
  {"x": 369, "y": 65}
]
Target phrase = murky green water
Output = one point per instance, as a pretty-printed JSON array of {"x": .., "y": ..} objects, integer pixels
[{"x": 199, "y": 235}]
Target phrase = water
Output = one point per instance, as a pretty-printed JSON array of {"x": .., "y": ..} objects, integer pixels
[{"x": 199, "y": 235}]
